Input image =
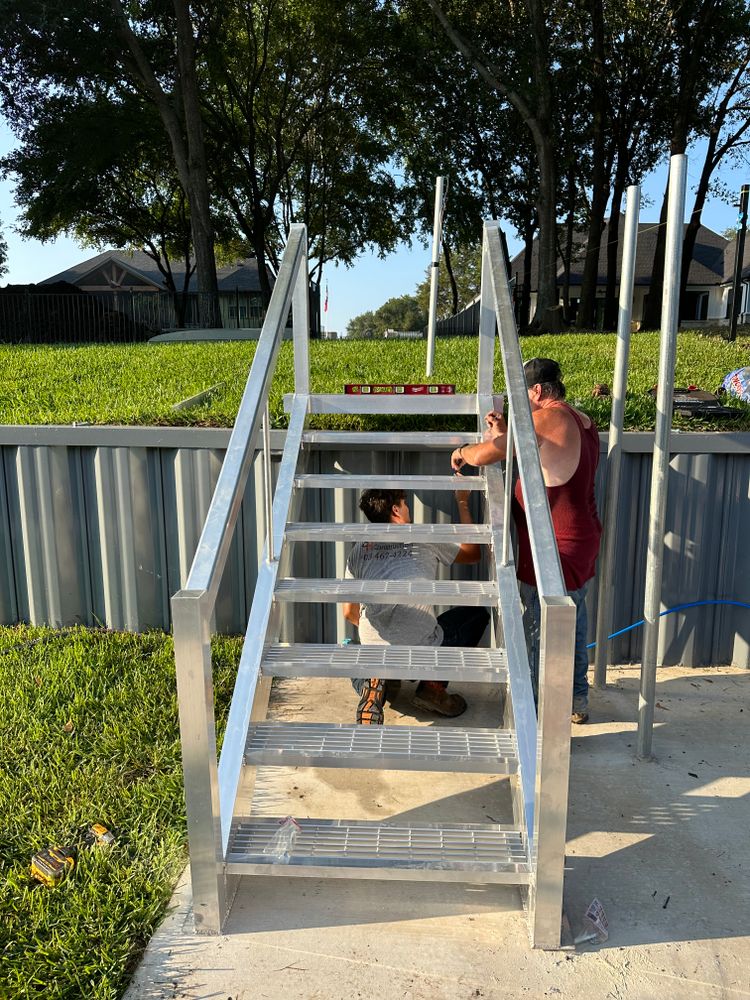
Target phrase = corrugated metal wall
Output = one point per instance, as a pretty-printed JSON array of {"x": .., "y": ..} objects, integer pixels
[{"x": 99, "y": 525}]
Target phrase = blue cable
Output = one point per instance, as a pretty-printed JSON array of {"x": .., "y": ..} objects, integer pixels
[{"x": 671, "y": 611}]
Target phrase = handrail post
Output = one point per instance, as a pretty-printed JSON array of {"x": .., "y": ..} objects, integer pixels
[
  {"x": 191, "y": 613},
  {"x": 614, "y": 446},
  {"x": 556, "y": 654}
]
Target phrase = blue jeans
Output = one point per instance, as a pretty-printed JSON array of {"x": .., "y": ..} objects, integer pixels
[
  {"x": 532, "y": 620},
  {"x": 461, "y": 627}
]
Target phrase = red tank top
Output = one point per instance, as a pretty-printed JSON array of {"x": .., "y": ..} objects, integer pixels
[{"x": 574, "y": 516}]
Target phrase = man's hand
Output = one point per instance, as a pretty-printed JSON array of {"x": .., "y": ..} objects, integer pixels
[
  {"x": 495, "y": 424},
  {"x": 457, "y": 459}
]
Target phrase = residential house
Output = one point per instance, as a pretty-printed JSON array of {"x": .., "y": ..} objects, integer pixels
[
  {"x": 709, "y": 283},
  {"x": 136, "y": 286}
]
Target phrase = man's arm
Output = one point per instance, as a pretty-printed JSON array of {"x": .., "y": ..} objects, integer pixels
[
  {"x": 484, "y": 452},
  {"x": 351, "y": 613},
  {"x": 468, "y": 552}
]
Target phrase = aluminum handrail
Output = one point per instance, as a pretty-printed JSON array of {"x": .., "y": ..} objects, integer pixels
[
  {"x": 546, "y": 558},
  {"x": 548, "y": 737},
  {"x": 216, "y": 536}
]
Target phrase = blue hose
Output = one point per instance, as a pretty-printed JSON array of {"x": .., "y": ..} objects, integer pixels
[{"x": 671, "y": 611}]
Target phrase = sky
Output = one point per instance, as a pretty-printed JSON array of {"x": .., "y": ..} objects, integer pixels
[{"x": 370, "y": 281}]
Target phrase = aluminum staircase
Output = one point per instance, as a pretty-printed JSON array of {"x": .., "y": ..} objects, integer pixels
[{"x": 533, "y": 753}]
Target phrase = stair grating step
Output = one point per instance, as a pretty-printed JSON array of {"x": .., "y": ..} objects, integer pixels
[
  {"x": 347, "y": 481},
  {"x": 453, "y": 592},
  {"x": 405, "y": 748},
  {"x": 408, "y": 663},
  {"x": 365, "y": 531},
  {"x": 393, "y": 440},
  {"x": 368, "y": 849}
]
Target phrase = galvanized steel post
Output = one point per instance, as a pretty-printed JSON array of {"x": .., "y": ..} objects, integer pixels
[
  {"x": 614, "y": 447},
  {"x": 660, "y": 467}
]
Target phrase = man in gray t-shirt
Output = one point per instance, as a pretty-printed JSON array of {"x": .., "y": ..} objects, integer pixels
[{"x": 404, "y": 624}]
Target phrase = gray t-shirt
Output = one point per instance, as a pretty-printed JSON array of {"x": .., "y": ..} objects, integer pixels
[{"x": 398, "y": 624}]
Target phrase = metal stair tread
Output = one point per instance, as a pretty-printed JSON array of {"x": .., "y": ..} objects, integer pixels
[
  {"x": 393, "y": 440},
  {"x": 456, "y": 592},
  {"x": 422, "y": 851},
  {"x": 364, "y": 530},
  {"x": 414, "y": 748},
  {"x": 450, "y": 404},
  {"x": 441, "y": 663},
  {"x": 350, "y": 481}
]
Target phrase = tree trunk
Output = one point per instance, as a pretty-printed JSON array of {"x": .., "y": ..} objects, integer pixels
[
  {"x": 451, "y": 278},
  {"x": 569, "y": 231},
  {"x": 586, "y": 318},
  {"x": 652, "y": 310},
  {"x": 198, "y": 193},
  {"x": 547, "y": 314}
]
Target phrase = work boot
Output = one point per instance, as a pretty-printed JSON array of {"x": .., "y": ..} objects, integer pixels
[
  {"x": 432, "y": 697},
  {"x": 370, "y": 707},
  {"x": 580, "y": 710}
]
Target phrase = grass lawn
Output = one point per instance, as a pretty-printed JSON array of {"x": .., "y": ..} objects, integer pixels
[
  {"x": 90, "y": 733},
  {"x": 138, "y": 384}
]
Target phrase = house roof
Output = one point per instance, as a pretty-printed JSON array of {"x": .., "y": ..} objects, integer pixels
[
  {"x": 706, "y": 268},
  {"x": 730, "y": 255},
  {"x": 241, "y": 276}
]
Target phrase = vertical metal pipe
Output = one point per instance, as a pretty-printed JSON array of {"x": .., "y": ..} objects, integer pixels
[
  {"x": 437, "y": 227},
  {"x": 614, "y": 447},
  {"x": 267, "y": 482},
  {"x": 507, "y": 551},
  {"x": 739, "y": 261},
  {"x": 660, "y": 467}
]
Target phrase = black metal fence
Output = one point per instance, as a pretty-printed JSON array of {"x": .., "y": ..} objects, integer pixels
[{"x": 36, "y": 317}]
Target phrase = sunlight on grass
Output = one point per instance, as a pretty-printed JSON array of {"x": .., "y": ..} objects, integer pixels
[
  {"x": 90, "y": 733},
  {"x": 138, "y": 384}
]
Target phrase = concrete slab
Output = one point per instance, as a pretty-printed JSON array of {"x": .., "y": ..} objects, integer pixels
[{"x": 662, "y": 844}]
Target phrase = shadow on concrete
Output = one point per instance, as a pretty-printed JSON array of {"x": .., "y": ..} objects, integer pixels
[{"x": 663, "y": 842}]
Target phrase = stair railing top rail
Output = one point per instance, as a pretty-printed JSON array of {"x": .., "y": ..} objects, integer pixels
[
  {"x": 547, "y": 566},
  {"x": 216, "y": 536}
]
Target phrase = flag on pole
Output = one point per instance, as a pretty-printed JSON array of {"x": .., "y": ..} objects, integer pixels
[{"x": 325, "y": 304}]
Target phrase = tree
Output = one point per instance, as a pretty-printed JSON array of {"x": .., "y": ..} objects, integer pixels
[
  {"x": 400, "y": 313},
  {"x": 700, "y": 29},
  {"x": 179, "y": 107},
  {"x": 102, "y": 173},
  {"x": 729, "y": 121},
  {"x": 50, "y": 49},
  {"x": 517, "y": 38}
]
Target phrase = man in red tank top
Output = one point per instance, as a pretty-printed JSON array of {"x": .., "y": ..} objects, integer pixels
[{"x": 569, "y": 454}]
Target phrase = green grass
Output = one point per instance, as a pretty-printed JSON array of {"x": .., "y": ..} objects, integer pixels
[
  {"x": 89, "y": 732},
  {"x": 139, "y": 384}
]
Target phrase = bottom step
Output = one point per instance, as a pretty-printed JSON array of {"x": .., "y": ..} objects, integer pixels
[{"x": 349, "y": 849}]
